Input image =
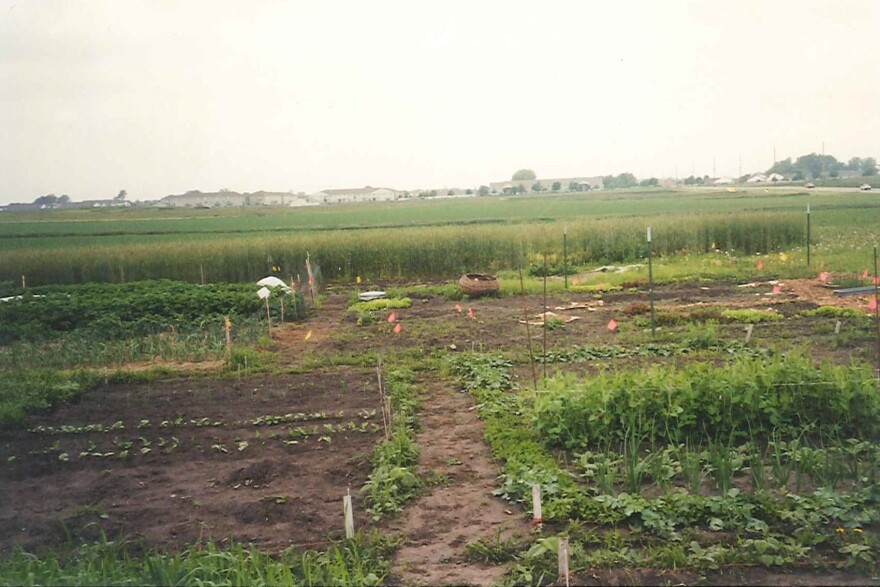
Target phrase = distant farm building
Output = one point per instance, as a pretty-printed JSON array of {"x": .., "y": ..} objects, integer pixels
[
  {"x": 228, "y": 199},
  {"x": 364, "y": 194},
  {"x": 566, "y": 184}
]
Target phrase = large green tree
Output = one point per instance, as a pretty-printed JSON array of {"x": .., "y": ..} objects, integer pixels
[{"x": 524, "y": 174}]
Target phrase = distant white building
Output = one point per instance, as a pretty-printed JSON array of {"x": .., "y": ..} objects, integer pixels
[
  {"x": 566, "y": 184},
  {"x": 364, "y": 194},
  {"x": 228, "y": 199},
  {"x": 757, "y": 178},
  {"x": 723, "y": 181}
]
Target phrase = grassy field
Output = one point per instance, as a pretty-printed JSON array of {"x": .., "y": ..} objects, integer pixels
[{"x": 426, "y": 239}]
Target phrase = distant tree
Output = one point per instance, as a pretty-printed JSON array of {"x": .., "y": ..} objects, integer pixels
[
  {"x": 834, "y": 173},
  {"x": 784, "y": 167},
  {"x": 433, "y": 193},
  {"x": 556, "y": 186},
  {"x": 63, "y": 199},
  {"x": 624, "y": 180},
  {"x": 649, "y": 183},
  {"x": 469, "y": 192},
  {"x": 743, "y": 178},
  {"x": 798, "y": 176},
  {"x": 484, "y": 190},
  {"x": 855, "y": 164},
  {"x": 520, "y": 189},
  {"x": 537, "y": 187},
  {"x": 47, "y": 200},
  {"x": 120, "y": 196},
  {"x": 869, "y": 166},
  {"x": 524, "y": 174},
  {"x": 690, "y": 180},
  {"x": 573, "y": 186},
  {"x": 450, "y": 193}
]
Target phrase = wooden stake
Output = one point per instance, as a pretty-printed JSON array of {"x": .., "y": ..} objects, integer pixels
[
  {"x": 808, "y": 235},
  {"x": 202, "y": 273},
  {"x": 651, "y": 283},
  {"x": 544, "y": 349},
  {"x": 349, "y": 516},
  {"x": 565, "y": 255},
  {"x": 837, "y": 327},
  {"x": 536, "y": 505},
  {"x": 268, "y": 317},
  {"x": 749, "y": 330},
  {"x": 876, "y": 307},
  {"x": 522, "y": 289},
  {"x": 226, "y": 326},
  {"x": 563, "y": 559},
  {"x": 282, "y": 309},
  {"x": 23, "y": 282},
  {"x": 386, "y": 409}
]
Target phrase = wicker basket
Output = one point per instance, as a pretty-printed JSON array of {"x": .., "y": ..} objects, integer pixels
[{"x": 478, "y": 284}]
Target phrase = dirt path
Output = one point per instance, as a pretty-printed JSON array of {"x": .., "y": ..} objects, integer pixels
[{"x": 461, "y": 508}]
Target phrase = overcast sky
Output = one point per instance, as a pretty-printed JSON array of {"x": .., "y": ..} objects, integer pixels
[{"x": 159, "y": 97}]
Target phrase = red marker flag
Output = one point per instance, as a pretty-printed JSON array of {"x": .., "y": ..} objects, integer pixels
[
  {"x": 875, "y": 281},
  {"x": 872, "y": 305},
  {"x": 760, "y": 265},
  {"x": 392, "y": 317},
  {"x": 458, "y": 308},
  {"x": 612, "y": 325},
  {"x": 776, "y": 289},
  {"x": 823, "y": 277},
  {"x": 471, "y": 314},
  {"x": 397, "y": 328}
]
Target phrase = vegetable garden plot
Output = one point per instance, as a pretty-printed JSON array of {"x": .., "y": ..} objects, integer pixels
[{"x": 263, "y": 460}]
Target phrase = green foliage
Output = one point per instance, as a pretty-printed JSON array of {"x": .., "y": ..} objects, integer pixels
[
  {"x": 25, "y": 392},
  {"x": 749, "y": 316},
  {"x": 523, "y": 174},
  {"x": 362, "y": 560},
  {"x": 393, "y": 481},
  {"x": 835, "y": 312},
  {"x": 380, "y": 304}
]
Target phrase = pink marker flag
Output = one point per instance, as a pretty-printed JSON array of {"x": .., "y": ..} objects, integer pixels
[
  {"x": 760, "y": 265},
  {"x": 872, "y": 305},
  {"x": 612, "y": 325},
  {"x": 865, "y": 274},
  {"x": 471, "y": 314},
  {"x": 458, "y": 308},
  {"x": 823, "y": 277},
  {"x": 392, "y": 317},
  {"x": 875, "y": 281},
  {"x": 574, "y": 281},
  {"x": 397, "y": 328},
  {"x": 776, "y": 289}
]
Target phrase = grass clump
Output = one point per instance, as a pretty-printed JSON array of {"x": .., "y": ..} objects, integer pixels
[
  {"x": 26, "y": 392},
  {"x": 834, "y": 312},
  {"x": 362, "y": 560},
  {"x": 749, "y": 316},
  {"x": 380, "y": 304}
]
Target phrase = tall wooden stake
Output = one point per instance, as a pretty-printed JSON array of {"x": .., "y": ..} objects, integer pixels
[
  {"x": 544, "y": 321},
  {"x": 808, "y": 235},
  {"x": 23, "y": 282},
  {"x": 522, "y": 289},
  {"x": 565, "y": 255},
  {"x": 268, "y": 318},
  {"x": 651, "y": 283},
  {"x": 876, "y": 308},
  {"x": 386, "y": 409}
]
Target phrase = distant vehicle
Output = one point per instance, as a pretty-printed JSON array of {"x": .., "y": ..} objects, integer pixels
[
  {"x": 865, "y": 187},
  {"x": 810, "y": 186}
]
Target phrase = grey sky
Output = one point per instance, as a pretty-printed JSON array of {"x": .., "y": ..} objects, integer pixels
[{"x": 162, "y": 97}]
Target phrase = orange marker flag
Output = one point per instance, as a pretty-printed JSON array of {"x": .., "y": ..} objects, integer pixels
[
  {"x": 823, "y": 277},
  {"x": 612, "y": 325},
  {"x": 470, "y": 314},
  {"x": 397, "y": 328},
  {"x": 760, "y": 265},
  {"x": 392, "y": 317},
  {"x": 458, "y": 308},
  {"x": 865, "y": 274},
  {"x": 821, "y": 264},
  {"x": 776, "y": 289},
  {"x": 875, "y": 281},
  {"x": 872, "y": 305},
  {"x": 574, "y": 281}
]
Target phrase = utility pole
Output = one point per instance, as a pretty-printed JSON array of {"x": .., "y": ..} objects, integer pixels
[
  {"x": 714, "y": 175},
  {"x": 740, "y": 165}
]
